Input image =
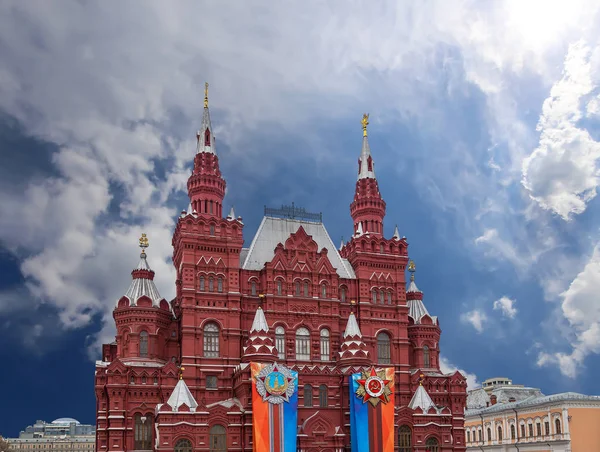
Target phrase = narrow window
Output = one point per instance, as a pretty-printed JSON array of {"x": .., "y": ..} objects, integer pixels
[
  {"x": 547, "y": 427},
  {"x": 211, "y": 382},
  {"x": 211, "y": 284},
  {"x": 522, "y": 430},
  {"x": 132, "y": 380},
  {"x": 212, "y": 228},
  {"x": 279, "y": 287},
  {"x": 144, "y": 380},
  {"x": 389, "y": 297},
  {"x": 324, "y": 344},
  {"x": 374, "y": 296},
  {"x": 211, "y": 206},
  {"x": 538, "y": 429},
  {"x": 499, "y": 433},
  {"x": 383, "y": 348},
  {"x": 468, "y": 436},
  {"x": 323, "y": 396},
  {"x": 489, "y": 434},
  {"x": 404, "y": 439},
  {"x": 143, "y": 428},
  {"x": 202, "y": 283},
  {"x": 219, "y": 284},
  {"x": 144, "y": 344},
  {"x": 298, "y": 288},
  {"x": 306, "y": 288},
  {"x": 480, "y": 436},
  {"x": 426, "y": 362},
  {"x": 308, "y": 396},
  {"x": 280, "y": 342},
  {"x": 530, "y": 429},
  {"x": 512, "y": 431},
  {"x": 323, "y": 291},
  {"x": 217, "y": 437},
  {"x": 343, "y": 294},
  {"x": 211, "y": 340},
  {"x": 155, "y": 381},
  {"x": 183, "y": 445},
  {"x": 302, "y": 344},
  {"x": 557, "y": 426},
  {"x": 381, "y": 296},
  {"x": 432, "y": 445},
  {"x": 253, "y": 288},
  {"x": 381, "y": 248}
]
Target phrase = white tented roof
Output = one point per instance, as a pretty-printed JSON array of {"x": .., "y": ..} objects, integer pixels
[{"x": 277, "y": 230}]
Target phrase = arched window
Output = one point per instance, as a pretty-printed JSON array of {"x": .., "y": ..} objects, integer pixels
[
  {"x": 513, "y": 434},
  {"x": 323, "y": 396},
  {"x": 280, "y": 342},
  {"x": 279, "y": 287},
  {"x": 374, "y": 296},
  {"x": 297, "y": 284},
  {"x": 217, "y": 439},
  {"x": 343, "y": 294},
  {"x": 381, "y": 296},
  {"x": 522, "y": 430},
  {"x": 468, "y": 436},
  {"x": 219, "y": 284},
  {"x": 381, "y": 248},
  {"x": 143, "y": 428},
  {"x": 143, "y": 379},
  {"x": 404, "y": 439},
  {"x": 489, "y": 434},
  {"x": 432, "y": 445},
  {"x": 426, "y": 361},
  {"x": 308, "y": 396},
  {"x": 389, "y": 297},
  {"x": 383, "y": 348},
  {"x": 211, "y": 284},
  {"x": 547, "y": 428},
  {"x": 499, "y": 433},
  {"x": 212, "y": 228},
  {"x": 306, "y": 288},
  {"x": 253, "y": 288},
  {"x": 530, "y": 428},
  {"x": 202, "y": 283},
  {"x": 144, "y": 344},
  {"x": 323, "y": 290},
  {"x": 324, "y": 344},
  {"x": 183, "y": 445},
  {"x": 211, "y": 340},
  {"x": 538, "y": 429},
  {"x": 155, "y": 380},
  {"x": 557, "y": 426},
  {"x": 302, "y": 344},
  {"x": 480, "y": 436}
]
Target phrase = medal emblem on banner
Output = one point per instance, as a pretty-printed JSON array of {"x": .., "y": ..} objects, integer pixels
[
  {"x": 374, "y": 387},
  {"x": 275, "y": 383}
]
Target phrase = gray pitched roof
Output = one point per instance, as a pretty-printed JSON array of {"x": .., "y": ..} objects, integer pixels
[{"x": 277, "y": 230}]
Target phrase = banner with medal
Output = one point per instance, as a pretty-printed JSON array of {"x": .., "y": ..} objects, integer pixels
[
  {"x": 274, "y": 408},
  {"x": 372, "y": 410}
]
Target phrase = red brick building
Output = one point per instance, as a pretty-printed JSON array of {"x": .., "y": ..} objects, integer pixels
[{"x": 326, "y": 312}]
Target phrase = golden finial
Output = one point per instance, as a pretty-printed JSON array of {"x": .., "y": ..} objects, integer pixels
[
  {"x": 365, "y": 123},
  {"x": 352, "y": 305},
  {"x": 143, "y": 243},
  {"x": 412, "y": 268},
  {"x": 181, "y": 369},
  {"x": 421, "y": 378},
  {"x": 206, "y": 95}
]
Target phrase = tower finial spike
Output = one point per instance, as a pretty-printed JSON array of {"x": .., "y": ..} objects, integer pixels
[
  {"x": 143, "y": 243},
  {"x": 365, "y": 123},
  {"x": 206, "y": 95},
  {"x": 412, "y": 268}
]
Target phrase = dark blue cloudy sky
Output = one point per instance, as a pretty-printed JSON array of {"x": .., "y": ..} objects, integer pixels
[{"x": 485, "y": 129}]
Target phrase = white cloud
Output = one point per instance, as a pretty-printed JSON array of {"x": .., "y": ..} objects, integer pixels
[
  {"x": 447, "y": 367},
  {"x": 506, "y": 306},
  {"x": 562, "y": 172},
  {"x": 581, "y": 309},
  {"x": 476, "y": 318}
]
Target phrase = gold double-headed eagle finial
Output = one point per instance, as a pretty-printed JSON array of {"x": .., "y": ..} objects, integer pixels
[
  {"x": 412, "y": 268},
  {"x": 365, "y": 123},
  {"x": 181, "y": 369},
  {"x": 421, "y": 378},
  {"x": 206, "y": 95},
  {"x": 143, "y": 243}
]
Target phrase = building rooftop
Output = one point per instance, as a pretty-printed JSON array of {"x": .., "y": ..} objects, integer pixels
[
  {"x": 65, "y": 420},
  {"x": 273, "y": 231}
]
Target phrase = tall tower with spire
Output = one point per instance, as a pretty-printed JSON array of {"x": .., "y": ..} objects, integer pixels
[
  {"x": 368, "y": 207},
  {"x": 206, "y": 186}
]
